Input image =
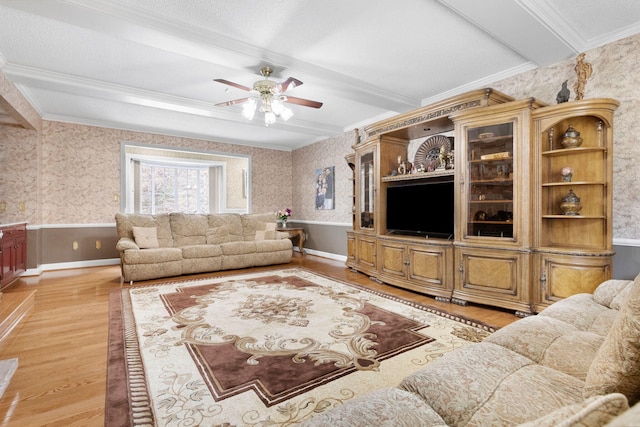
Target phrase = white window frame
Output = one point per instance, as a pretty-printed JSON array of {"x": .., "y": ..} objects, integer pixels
[{"x": 217, "y": 175}]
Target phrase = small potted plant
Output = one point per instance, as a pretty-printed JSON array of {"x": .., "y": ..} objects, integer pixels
[{"x": 283, "y": 216}]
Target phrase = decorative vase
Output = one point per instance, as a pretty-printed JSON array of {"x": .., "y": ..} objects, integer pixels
[
  {"x": 284, "y": 224},
  {"x": 570, "y": 204},
  {"x": 571, "y": 138}
]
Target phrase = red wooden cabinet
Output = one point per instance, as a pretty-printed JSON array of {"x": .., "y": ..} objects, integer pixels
[{"x": 13, "y": 252}]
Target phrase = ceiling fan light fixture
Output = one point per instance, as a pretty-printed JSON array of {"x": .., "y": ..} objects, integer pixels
[
  {"x": 269, "y": 118},
  {"x": 249, "y": 109},
  {"x": 268, "y": 98},
  {"x": 276, "y": 106},
  {"x": 286, "y": 114}
]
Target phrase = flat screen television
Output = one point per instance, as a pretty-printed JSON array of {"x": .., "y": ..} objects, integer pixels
[{"x": 421, "y": 209}]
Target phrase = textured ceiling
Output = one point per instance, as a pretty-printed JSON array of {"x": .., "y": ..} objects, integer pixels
[{"x": 149, "y": 65}]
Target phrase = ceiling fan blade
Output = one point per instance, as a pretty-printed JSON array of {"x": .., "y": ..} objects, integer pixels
[
  {"x": 233, "y": 102},
  {"x": 291, "y": 81},
  {"x": 227, "y": 82},
  {"x": 305, "y": 102}
]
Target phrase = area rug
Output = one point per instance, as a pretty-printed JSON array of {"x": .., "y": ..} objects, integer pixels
[{"x": 263, "y": 349}]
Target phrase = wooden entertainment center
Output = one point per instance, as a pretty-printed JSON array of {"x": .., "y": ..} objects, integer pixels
[{"x": 531, "y": 205}]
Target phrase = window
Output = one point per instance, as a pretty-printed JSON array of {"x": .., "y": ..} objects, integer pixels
[
  {"x": 171, "y": 188},
  {"x": 159, "y": 180}
]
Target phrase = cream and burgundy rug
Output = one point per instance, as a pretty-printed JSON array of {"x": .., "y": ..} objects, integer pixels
[{"x": 263, "y": 349}]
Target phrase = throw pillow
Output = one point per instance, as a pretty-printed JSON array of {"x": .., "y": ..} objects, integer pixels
[
  {"x": 270, "y": 226},
  {"x": 269, "y": 232},
  {"x": 616, "y": 367},
  {"x": 146, "y": 237},
  {"x": 595, "y": 411}
]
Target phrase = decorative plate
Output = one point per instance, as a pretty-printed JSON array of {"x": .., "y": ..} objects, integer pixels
[{"x": 429, "y": 151}]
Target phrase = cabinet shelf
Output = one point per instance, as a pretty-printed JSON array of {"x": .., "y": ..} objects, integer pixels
[
  {"x": 490, "y": 139},
  {"x": 490, "y": 161},
  {"x": 572, "y": 151},
  {"x": 418, "y": 175},
  {"x": 573, "y": 217},
  {"x": 569, "y": 184},
  {"x": 481, "y": 202},
  {"x": 492, "y": 222},
  {"x": 508, "y": 182}
]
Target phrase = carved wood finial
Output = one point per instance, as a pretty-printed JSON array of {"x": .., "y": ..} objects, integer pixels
[{"x": 583, "y": 71}]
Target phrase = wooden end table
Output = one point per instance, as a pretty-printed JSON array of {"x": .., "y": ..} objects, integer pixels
[{"x": 294, "y": 233}]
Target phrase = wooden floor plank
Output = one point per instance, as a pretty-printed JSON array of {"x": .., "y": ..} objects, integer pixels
[{"x": 61, "y": 344}]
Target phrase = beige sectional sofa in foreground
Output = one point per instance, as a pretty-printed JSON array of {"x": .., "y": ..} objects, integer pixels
[
  {"x": 577, "y": 363},
  {"x": 173, "y": 244}
]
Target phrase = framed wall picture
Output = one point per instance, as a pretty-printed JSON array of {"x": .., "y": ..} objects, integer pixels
[{"x": 325, "y": 188}]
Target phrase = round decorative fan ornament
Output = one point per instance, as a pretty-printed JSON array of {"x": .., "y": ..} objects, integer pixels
[{"x": 428, "y": 154}]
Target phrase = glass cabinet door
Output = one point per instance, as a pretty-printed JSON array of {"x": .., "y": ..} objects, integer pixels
[
  {"x": 367, "y": 184},
  {"x": 490, "y": 186}
]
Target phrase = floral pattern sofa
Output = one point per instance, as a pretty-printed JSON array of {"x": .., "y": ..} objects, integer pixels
[
  {"x": 577, "y": 363},
  {"x": 173, "y": 244}
]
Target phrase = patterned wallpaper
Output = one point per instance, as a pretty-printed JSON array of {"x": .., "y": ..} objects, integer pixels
[
  {"x": 614, "y": 76},
  {"x": 614, "y": 68},
  {"x": 79, "y": 172},
  {"x": 306, "y": 161},
  {"x": 19, "y": 154},
  {"x": 78, "y": 167}
]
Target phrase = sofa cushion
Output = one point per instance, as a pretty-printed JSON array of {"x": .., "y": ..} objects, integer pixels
[
  {"x": 254, "y": 222},
  {"x": 386, "y": 407},
  {"x": 238, "y": 248},
  {"x": 525, "y": 395},
  {"x": 582, "y": 312},
  {"x": 595, "y": 411},
  {"x": 608, "y": 290},
  {"x": 481, "y": 385},
  {"x": 201, "y": 251},
  {"x": 125, "y": 222},
  {"x": 146, "y": 237},
  {"x": 232, "y": 226},
  {"x": 189, "y": 229},
  {"x": 619, "y": 300},
  {"x": 218, "y": 235},
  {"x": 616, "y": 367},
  {"x": 152, "y": 256},
  {"x": 273, "y": 245},
  {"x": 550, "y": 342}
]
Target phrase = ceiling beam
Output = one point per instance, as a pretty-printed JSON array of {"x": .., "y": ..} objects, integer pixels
[
  {"x": 154, "y": 30},
  {"x": 533, "y": 36}
]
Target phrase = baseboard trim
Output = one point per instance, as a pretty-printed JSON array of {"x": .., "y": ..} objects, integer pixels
[
  {"x": 326, "y": 255},
  {"x": 115, "y": 261},
  {"x": 69, "y": 265}
]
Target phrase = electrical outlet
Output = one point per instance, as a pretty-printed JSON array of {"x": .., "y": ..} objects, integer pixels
[
  {"x": 75, "y": 245},
  {"x": 98, "y": 244},
  {"x": 3, "y": 207},
  {"x": 23, "y": 206}
]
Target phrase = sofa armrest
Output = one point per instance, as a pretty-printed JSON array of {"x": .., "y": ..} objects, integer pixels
[
  {"x": 281, "y": 235},
  {"x": 611, "y": 293},
  {"x": 126, "y": 243}
]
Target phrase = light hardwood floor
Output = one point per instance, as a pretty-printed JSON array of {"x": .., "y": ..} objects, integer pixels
[{"x": 61, "y": 345}]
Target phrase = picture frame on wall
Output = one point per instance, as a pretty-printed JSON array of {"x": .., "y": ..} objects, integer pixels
[{"x": 325, "y": 188}]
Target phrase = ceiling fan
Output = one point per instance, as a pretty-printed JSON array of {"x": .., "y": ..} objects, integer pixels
[{"x": 269, "y": 95}]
